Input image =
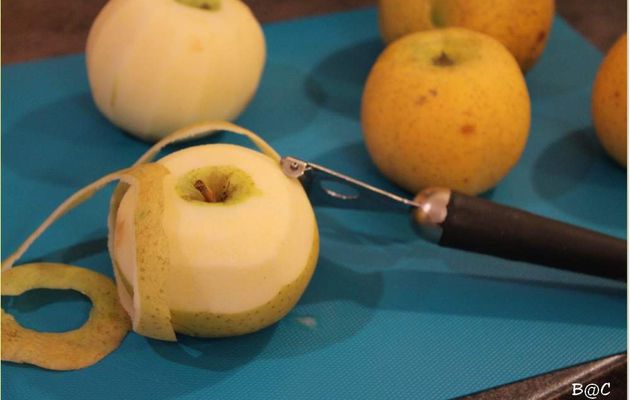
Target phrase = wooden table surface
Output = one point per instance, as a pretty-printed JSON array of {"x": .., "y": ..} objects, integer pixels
[{"x": 34, "y": 29}]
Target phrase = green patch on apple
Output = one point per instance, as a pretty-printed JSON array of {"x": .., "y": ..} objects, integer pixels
[
  {"x": 211, "y": 5},
  {"x": 228, "y": 185}
]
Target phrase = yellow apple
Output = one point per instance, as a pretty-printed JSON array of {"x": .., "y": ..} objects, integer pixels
[
  {"x": 446, "y": 107},
  {"x": 523, "y": 26},
  {"x": 240, "y": 239},
  {"x": 610, "y": 101},
  {"x": 157, "y": 65}
]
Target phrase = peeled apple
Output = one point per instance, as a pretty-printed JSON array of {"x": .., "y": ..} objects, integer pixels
[
  {"x": 212, "y": 240},
  {"x": 155, "y": 66}
]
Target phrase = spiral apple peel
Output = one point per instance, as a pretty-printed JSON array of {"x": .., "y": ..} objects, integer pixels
[{"x": 106, "y": 327}]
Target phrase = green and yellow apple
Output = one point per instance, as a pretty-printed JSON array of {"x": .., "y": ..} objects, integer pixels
[
  {"x": 446, "y": 107},
  {"x": 236, "y": 241},
  {"x": 521, "y": 26},
  {"x": 155, "y": 66}
]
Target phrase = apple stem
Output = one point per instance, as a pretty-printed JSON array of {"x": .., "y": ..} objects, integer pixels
[
  {"x": 205, "y": 191},
  {"x": 443, "y": 60}
]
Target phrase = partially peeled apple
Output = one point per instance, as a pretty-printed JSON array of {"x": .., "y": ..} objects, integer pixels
[
  {"x": 237, "y": 239},
  {"x": 155, "y": 66},
  {"x": 212, "y": 240}
]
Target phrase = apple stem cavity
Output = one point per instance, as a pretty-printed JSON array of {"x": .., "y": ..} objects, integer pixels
[
  {"x": 210, "y": 5},
  {"x": 205, "y": 191},
  {"x": 443, "y": 60},
  {"x": 216, "y": 184}
]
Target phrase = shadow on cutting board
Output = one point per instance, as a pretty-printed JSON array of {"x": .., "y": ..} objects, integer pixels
[
  {"x": 59, "y": 145},
  {"x": 221, "y": 354},
  {"x": 577, "y": 162},
  {"x": 78, "y": 251},
  {"x": 280, "y": 107},
  {"x": 341, "y": 300},
  {"x": 336, "y": 83},
  {"x": 461, "y": 291},
  {"x": 456, "y": 294}
]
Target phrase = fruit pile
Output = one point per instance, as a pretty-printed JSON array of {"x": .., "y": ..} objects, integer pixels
[{"x": 215, "y": 240}]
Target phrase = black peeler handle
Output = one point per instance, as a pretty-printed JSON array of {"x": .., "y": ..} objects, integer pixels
[{"x": 478, "y": 225}]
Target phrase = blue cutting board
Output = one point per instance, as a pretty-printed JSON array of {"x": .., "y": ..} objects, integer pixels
[{"x": 386, "y": 314}]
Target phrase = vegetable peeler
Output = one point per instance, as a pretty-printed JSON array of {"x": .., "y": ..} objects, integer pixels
[{"x": 470, "y": 223}]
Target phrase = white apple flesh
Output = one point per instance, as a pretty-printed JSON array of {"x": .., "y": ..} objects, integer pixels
[
  {"x": 237, "y": 264},
  {"x": 155, "y": 66}
]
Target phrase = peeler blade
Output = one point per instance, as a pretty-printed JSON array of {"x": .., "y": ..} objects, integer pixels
[{"x": 328, "y": 188}]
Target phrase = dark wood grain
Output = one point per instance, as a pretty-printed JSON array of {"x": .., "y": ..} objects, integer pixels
[
  {"x": 34, "y": 29},
  {"x": 600, "y": 21}
]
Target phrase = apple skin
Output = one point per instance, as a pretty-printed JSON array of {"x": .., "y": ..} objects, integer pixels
[
  {"x": 155, "y": 66},
  {"x": 213, "y": 324},
  {"x": 610, "y": 102},
  {"x": 521, "y": 26},
  {"x": 235, "y": 267},
  {"x": 460, "y": 123}
]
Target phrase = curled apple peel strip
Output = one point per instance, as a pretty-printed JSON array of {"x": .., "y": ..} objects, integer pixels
[
  {"x": 204, "y": 129},
  {"x": 106, "y": 326},
  {"x": 147, "y": 305},
  {"x": 71, "y": 202},
  {"x": 151, "y": 321},
  {"x": 102, "y": 333}
]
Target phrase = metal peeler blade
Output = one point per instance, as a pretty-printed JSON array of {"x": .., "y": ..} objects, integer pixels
[{"x": 329, "y": 188}]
